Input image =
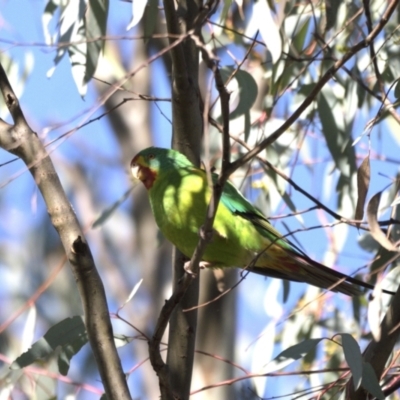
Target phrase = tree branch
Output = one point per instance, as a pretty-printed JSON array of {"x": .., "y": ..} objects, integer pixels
[
  {"x": 20, "y": 140},
  {"x": 175, "y": 379}
]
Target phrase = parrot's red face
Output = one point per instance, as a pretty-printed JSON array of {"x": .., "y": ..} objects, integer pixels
[{"x": 140, "y": 168}]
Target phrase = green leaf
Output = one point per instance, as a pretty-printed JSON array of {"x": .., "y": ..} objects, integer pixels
[
  {"x": 353, "y": 356},
  {"x": 96, "y": 29},
  {"x": 370, "y": 382},
  {"x": 301, "y": 34},
  {"x": 247, "y": 88},
  {"x": 70, "y": 349},
  {"x": 375, "y": 229},
  {"x": 292, "y": 354},
  {"x": 339, "y": 142},
  {"x": 363, "y": 180},
  {"x": 224, "y": 12},
  {"x": 286, "y": 290},
  {"x": 72, "y": 36},
  {"x": 70, "y": 334},
  {"x": 299, "y": 350},
  {"x": 332, "y": 8},
  {"x": 121, "y": 340},
  {"x": 397, "y": 90},
  {"x": 287, "y": 199},
  {"x": 150, "y": 18}
]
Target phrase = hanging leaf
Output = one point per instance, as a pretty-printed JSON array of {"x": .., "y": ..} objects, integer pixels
[
  {"x": 292, "y": 354},
  {"x": 286, "y": 290},
  {"x": 132, "y": 293},
  {"x": 370, "y": 382},
  {"x": 363, "y": 180},
  {"x": 263, "y": 20},
  {"x": 375, "y": 312},
  {"x": 332, "y": 8},
  {"x": 48, "y": 15},
  {"x": 353, "y": 356},
  {"x": 70, "y": 334},
  {"x": 397, "y": 89},
  {"x": 376, "y": 231},
  {"x": 300, "y": 33},
  {"x": 150, "y": 18},
  {"x": 96, "y": 29},
  {"x": 339, "y": 141},
  {"x": 247, "y": 89},
  {"x": 224, "y": 12},
  {"x": 138, "y": 7}
]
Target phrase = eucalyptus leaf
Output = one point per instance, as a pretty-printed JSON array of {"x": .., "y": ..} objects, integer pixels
[
  {"x": 69, "y": 334},
  {"x": 96, "y": 29},
  {"x": 353, "y": 356},
  {"x": 247, "y": 89}
]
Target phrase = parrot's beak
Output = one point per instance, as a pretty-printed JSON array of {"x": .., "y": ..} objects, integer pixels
[
  {"x": 141, "y": 171},
  {"x": 136, "y": 168},
  {"x": 136, "y": 172}
]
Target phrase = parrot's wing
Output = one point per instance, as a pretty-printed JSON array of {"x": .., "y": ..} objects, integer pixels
[{"x": 240, "y": 206}]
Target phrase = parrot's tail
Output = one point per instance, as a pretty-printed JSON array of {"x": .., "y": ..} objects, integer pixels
[{"x": 300, "y": 268}]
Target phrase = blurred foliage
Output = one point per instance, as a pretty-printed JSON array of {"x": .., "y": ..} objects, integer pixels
[{"x": 272, "y": 55}]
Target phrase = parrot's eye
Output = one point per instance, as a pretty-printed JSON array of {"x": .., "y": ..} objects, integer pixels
[{"x": 151, "y": 156}]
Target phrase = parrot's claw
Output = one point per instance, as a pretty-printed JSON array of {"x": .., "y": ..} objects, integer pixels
[{"x": 202, "y": 265}]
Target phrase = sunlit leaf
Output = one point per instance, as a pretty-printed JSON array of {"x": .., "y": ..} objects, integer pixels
[
  {"x": 122, "y": 340},
  {"x": 375, "y": 229},
  {"x": 138, "y": 7},
  {"x": 262, "y": 20},
  {"x": 351, "y": 101},
  {"x": 338, "y": 141},
  {"x": 78, "y": 52},
  {"x": 96, "y": 29},
  {"x": 29, "y": 328},
  {"x": 224, "y": 12},
  {"x": 363, "y": 179},
  {"x": 299, "y": 36},
  {"x": 353, "y": 356},
  {"x": 49, "y": 11},
  {"x": 133, "y": 292},
  {"x": 375, "y": 311},
  {"x": 391, "y": 281}
]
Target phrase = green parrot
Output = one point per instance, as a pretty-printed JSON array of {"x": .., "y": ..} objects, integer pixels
[{"x": 242, "y": 236}]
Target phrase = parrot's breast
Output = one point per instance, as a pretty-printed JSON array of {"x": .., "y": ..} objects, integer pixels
[{"x": 179, "y": 200}]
